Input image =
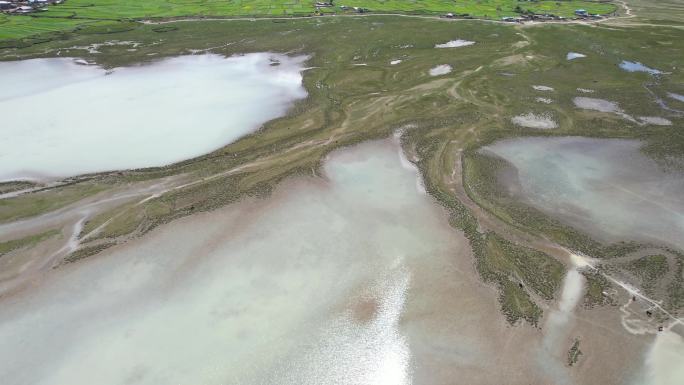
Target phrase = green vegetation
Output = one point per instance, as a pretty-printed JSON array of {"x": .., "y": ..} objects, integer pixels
[
  {"x": 513, "y": 268},
  {"x": 539, "y": 271},
  {"x": 29, "y": 205},
  {"x": 494, "y": 9},
  {"x": 75, "y": 14},
  {"x": 597, "y": 285},
  {"x": 657, "y": 12},
  {"x": 481, "y": 174},
  {"x": 649, "y": 268},
  {"x": 516, "y": 304},
  {"x": 86, "y": 252},
  {"x": 574, "y": 353},
  {"x": 30, "y": 241},
  {"x": 7, "y": 187},
  {"x": 675, "y": 289},
  {"x": 619, "y": 249}
]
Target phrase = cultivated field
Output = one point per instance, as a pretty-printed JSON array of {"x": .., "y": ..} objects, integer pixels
[{"x": 75, "y": 13}]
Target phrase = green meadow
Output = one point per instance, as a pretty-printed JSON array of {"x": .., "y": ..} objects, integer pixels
[{"x": 76, "y": 13}]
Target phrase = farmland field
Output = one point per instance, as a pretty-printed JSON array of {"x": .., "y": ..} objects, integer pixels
[{"x": 75, "y": 13}]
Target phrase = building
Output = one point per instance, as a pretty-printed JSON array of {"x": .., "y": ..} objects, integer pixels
[
  {"x": 24, "y": 9},
  {"x": 5, "y": 5}
]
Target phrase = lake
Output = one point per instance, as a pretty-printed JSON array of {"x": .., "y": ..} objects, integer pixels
[
  {"x": 63, "y": 118},
  {"x": 356, "y": 278},
  {"x": 605, "y": 187}
]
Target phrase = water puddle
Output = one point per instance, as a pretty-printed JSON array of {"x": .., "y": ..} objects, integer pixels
[
  {"x": 455, "y": 44},
  {"x": 601, "y": 105},
  {"x": 676, "y": 96},
  {"x": 538, "y": 121},
  {"x": 655, "y": 120},
  {"x": 574, "y": 55},
  {"x": 631, "y": 66},
  {"x": 439, "y": 70}
]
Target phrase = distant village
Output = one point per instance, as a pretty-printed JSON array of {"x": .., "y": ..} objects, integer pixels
[
  {"x": 21, "y": 7},
  {"x": 524, "y": 15}
]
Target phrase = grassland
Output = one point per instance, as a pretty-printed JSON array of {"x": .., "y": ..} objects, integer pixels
[
  {"x": 531, "y": 267},
  {"x": 574, "y": 353},
  {"x": 650, "y": 267},
  {"x": 8, "y": 187},
  {"x": 74, "y": 14},
  {"x": 445, "y": 120},
  {"x": 30, "y": 205},
  {"x": 31, "y": 240},
  {"x": 597, "y": 286}
]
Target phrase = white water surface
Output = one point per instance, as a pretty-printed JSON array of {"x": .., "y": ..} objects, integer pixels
[
  {"x": 556, "y": 326},
  {"x": 439, "y": 70},
  {"x": 665, "y": 360},
  {"x": 455, "y": 44},
  {"x": 676, "y": 96},
  {"x": 61, "y": 118},
  {"x": 307, "y": 287},
  {"x": 635, "y": 66},
  {"x": 574, "y": 55},
  {"x": 605, "y": 187}
]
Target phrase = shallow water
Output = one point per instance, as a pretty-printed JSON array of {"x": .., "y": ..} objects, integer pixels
[
  {"x": 61, "y": 118},
  {"x": 676, "y": 96},
  {"x": 605, "y": 187},
  {"x": 601, "y": 105},
  {"x": 439, "y": 70},
  {"x": 655, "y": 120},
  {"x": 455, "y": 44},
  {"x": 595, "y": 104},
  {"x": 307, "y": 287},
  {"x": 355, "y": 279},
  {"x": 574, "y": 55},
  {"x": 631, "y": 66},
  {"x": 557, "y": 329},
  {"x": 538, "y": 121},
  {"x": 665, "y": 360}
]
